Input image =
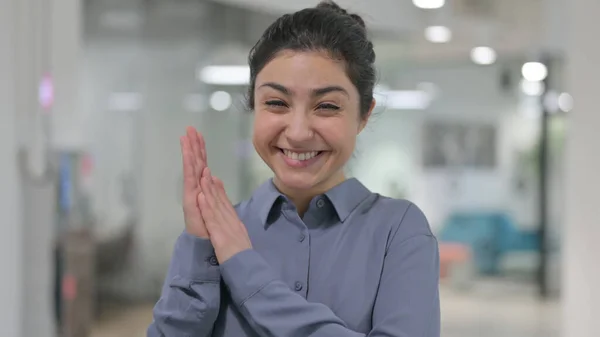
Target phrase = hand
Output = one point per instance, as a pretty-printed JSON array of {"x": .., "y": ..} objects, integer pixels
[
  {"x": 193, "y": 151},
  {"x": 227, "y": 233}
]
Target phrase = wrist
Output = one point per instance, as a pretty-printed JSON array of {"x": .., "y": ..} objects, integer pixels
[{"x": 195, "y": 258}]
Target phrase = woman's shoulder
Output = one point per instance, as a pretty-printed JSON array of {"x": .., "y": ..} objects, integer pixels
[{"x": 405, "y": 217}]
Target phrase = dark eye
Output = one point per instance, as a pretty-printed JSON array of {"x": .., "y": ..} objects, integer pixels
[
  {"x": 276, "y": 103},
  {"x": 328, "y": 106}
]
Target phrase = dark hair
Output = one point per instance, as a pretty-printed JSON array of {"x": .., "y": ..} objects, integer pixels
[{"x": 328, "y": 28}]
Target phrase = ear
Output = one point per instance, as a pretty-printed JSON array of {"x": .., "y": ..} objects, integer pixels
[{"x": 364, "y": 121}]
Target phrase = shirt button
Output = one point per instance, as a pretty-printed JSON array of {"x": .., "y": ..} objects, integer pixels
[
  {"x": 298, "y": 286},
  {"x": 301, "y": 237},
  {"x": 213, "y": 261},
  {"x": 320, "y": 203}
]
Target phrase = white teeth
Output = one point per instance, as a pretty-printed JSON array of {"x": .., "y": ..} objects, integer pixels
[{"x": 300, "y": 156}]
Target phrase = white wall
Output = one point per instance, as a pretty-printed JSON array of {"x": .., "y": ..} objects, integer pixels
[
  {"x": 27, "y": 205},
  {"x": 581, "y": 270},
  {"x": 10, "y": 203}
]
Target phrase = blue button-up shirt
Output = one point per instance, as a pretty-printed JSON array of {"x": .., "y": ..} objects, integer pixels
[{"x": 356, "y": 264}]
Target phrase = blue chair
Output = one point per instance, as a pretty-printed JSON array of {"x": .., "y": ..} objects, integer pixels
[{"x": 490, "y": 235}]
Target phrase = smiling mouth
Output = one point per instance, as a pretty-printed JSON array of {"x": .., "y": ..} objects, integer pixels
[{"x": 300, "y": 156}]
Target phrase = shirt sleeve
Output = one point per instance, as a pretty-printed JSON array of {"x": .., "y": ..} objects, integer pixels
[
  {"x": 191, "y": 294},
  {"x": 407, "y": 304}
]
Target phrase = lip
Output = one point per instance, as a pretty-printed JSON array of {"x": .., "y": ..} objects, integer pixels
[
  {"x": 297, "y": 150},
  {"x": 294, "y": 163}
]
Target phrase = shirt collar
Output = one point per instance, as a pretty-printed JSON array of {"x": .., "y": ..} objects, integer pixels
[
  {"x": 344, "y": 197},
  {"x": 265, "y": 197}
]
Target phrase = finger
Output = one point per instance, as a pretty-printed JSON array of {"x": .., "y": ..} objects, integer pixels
[
  {"x": 212, "y": 187},
  {"x": 222, "y": 194},
  {"x": 221, "y": 200},
  {"x": 213, "y": 204},
  {"x": 202, "y": 145},
  {"x": 215, "y": 231},
  {"x": 207, "y": 189},
  {"x": 206, "y": 211},
  {"x": 213, "y": 196},
  {"x": 192, "y": 134},
  {"x": 229, "y": 212},
  {"x": 189, "y": 177},
  {"x": 197, "y": 145}
]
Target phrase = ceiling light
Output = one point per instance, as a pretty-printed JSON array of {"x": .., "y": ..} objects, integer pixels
[
  {"x": 483, "y": 55},
  {"x": 565, "y": 102},
  {"x": 220, "y": 100},
  {"x": 534, "y": 71},
  {"x": 438, "y": 34},
  {"x": 225, "y": 75},
  {"x": 429, "y": 4},
  {"x": 532, "y": 88}
]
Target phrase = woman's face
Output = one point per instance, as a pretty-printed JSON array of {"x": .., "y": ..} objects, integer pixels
[{"x": 306, "y": 120}]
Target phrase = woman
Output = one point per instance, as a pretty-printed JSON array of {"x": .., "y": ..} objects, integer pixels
[{"x": 311, "y": 253}]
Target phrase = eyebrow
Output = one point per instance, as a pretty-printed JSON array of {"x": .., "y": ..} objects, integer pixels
[{"x": 315, "y": 92}]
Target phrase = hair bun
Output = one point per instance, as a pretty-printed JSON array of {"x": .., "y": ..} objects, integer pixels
[{"x": 332, "y": 6}]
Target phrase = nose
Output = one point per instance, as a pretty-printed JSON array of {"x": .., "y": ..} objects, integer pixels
[{"x": 298, "y": 128}]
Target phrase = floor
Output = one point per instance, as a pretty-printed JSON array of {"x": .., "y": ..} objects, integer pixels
[
  {"x": 498, "y": 309},
  {"x": 124, "y": 322},
  {"x": 491, "y": 309}
]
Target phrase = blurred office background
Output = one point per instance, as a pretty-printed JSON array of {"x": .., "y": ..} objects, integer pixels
[{"x": 475, "y": 122}]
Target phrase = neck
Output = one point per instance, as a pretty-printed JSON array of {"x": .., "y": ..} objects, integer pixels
[{"x": 302, "y": 197}]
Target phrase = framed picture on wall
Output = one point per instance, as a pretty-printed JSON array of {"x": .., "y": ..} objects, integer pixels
[{"x": 454, "y": 144}]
